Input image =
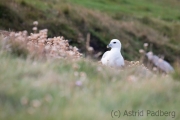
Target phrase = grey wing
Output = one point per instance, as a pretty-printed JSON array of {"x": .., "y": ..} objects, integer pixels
[{"x": 165, "y": 66}]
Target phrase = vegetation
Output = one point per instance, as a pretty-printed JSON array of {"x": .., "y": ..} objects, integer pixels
[
  {"x": 37, "y": 88},
  {"x": 81, "y": 89},
  {"x": 133, "y": 22}
]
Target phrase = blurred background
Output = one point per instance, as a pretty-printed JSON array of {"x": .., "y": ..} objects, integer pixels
[
  {"x": 76, "y": 86},
  {"x": 132, "y": 22}
]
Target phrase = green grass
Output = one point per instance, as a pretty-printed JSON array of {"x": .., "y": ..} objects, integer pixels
[
  {"x": 46, "y": 90},
  {"x": 38, "y": 4},
  {"x": 138, "y": 8},
  {"x": 132, "y": 22}
]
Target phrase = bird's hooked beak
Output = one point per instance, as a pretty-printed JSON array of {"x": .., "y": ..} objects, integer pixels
[{"x": 109, "y": 46}]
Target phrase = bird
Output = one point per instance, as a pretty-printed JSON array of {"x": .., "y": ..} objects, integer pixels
[
  {"x": 160, "y": 63},
  {"x": 113, "y": 57}
]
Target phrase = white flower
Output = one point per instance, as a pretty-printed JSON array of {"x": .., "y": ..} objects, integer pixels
[
  {"x": 145, "y": 44},
  {"x": 35, "y": 23},
  {"x": 90, "y": 49},
  {"x": 141, "y": 51},
  {"x": 34, "y": 29}
]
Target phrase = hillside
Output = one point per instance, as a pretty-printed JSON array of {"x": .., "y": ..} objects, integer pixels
[
  {"x": 134, "y": 23},
  {"x": 43, "y": 77}
]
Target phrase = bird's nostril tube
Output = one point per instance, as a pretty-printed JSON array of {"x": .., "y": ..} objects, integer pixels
[{"x": 109, "y": 46}]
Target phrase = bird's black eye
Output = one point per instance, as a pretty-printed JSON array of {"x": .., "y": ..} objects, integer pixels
[{"x": 114, "y": 42}]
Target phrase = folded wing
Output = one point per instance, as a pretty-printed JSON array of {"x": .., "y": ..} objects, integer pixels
[{"x": 104, "y": 58}]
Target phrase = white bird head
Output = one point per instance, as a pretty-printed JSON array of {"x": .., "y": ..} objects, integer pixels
[
  {"x": 149, "y": 55},
  {"x": 115, "y": 43}
]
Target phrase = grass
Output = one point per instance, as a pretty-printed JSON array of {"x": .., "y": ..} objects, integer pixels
[
  {"x": 39, "y": 88},
  {"x": 139, "y": 8},
  {"x": 134, "y": 23},
  {"x": 51, "y": 89},
  {"x": 48, "y": 90}
]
